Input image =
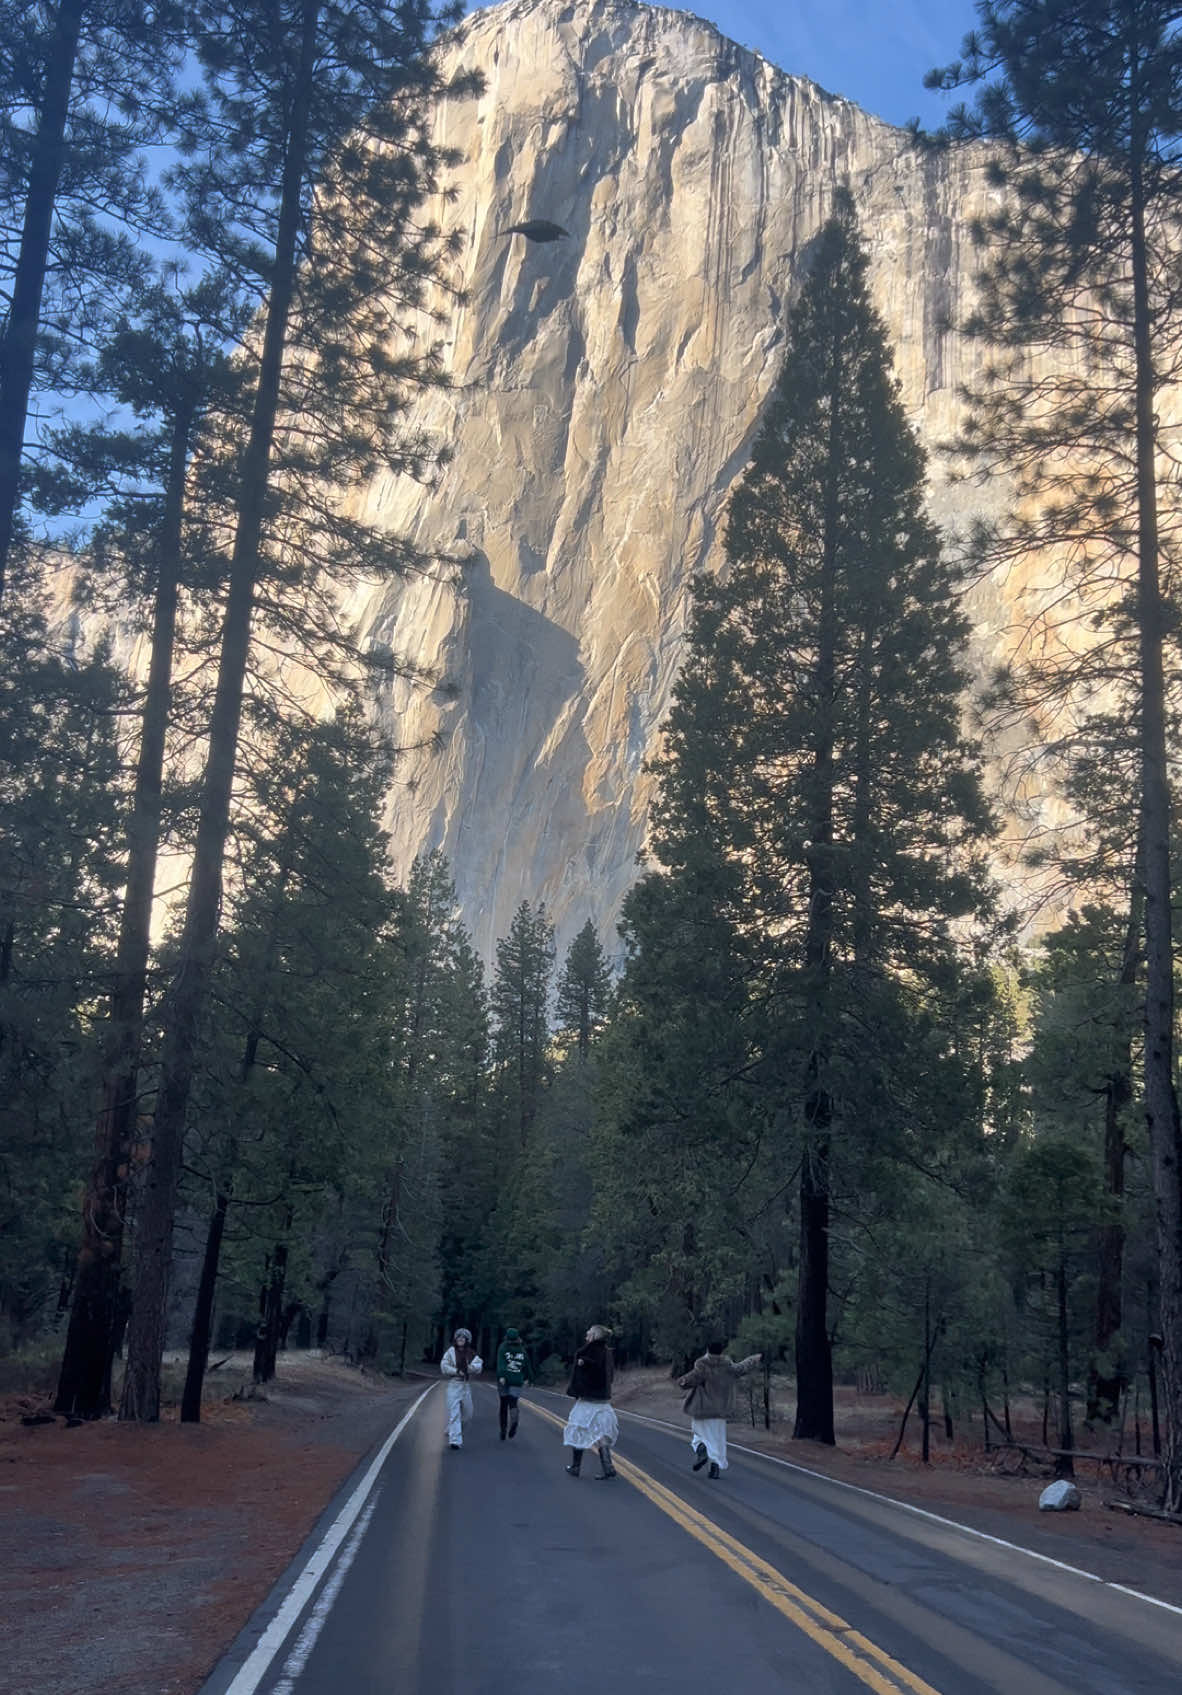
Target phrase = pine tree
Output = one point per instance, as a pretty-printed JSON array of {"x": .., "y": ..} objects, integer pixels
[
  {"x": 301, "y": 178},
  {"x": 520, "y": 1014},
  {"x": 169, "y": 369},
  {"x": 61, "y": 801},
  {"x": 584, "y": 989},
  {"x": 1079, "y": 1073},
  {"x": 816, "y": 779},
  {"x": 300, "y": 1057},
  {"x": 1081, "y": 100},
  {"x": 85, "y": 85}
]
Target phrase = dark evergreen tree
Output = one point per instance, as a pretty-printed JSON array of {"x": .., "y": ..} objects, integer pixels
[
  {"x": 519, "y": 1003},
  {"x": 584, "y": 989},
  {"x": 471, "y": 1148},
  {"x": 1079, "y": 1073},
  {"x": 299, "y": 1084},
  {"x": 816, "y": 775},
  {"x": 1081, "y": 99},
  {"x": 307, "y": 154},
  {"x": 84, "y": 86},
  {"x": 170, "y": 370},
  {"x": 61, "y": 800}
]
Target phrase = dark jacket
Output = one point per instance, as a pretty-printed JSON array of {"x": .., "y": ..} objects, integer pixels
[
  {"x": 711, "y": 1384},
  {"x": 591, "y": 1375}
]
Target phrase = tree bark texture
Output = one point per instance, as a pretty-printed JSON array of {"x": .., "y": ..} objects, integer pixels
[
  {"x": 266, "y": 1346},
  {"x": 1065, "y": 1466},
  {"x": 202, "y": 1331}
]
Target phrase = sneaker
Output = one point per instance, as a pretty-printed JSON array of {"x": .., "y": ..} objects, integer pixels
[
  {"x": 700, "y": 1451},
  {"x": 713, "y": 1472}
]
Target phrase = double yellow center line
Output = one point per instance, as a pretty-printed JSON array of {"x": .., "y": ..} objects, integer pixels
[{"x": 865, "y": 1659}]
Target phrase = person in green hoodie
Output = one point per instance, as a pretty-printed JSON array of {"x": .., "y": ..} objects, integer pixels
[{"x": 514, "y": 1373}]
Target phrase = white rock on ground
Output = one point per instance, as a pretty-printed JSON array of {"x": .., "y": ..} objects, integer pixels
[{"x": 1061, "y": 1496}]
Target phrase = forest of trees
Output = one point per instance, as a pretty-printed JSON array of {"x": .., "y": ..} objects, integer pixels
[{"x": 819, "y": 1096}]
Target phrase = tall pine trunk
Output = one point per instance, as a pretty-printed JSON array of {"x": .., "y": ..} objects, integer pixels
[
  {"x": 1161, "y": 1101},
  {"x": 186, "y": 1000},
  {"x": 270, "y": 1330},
  {"x": 202, "y": 1332},
  {"x": 814, "y": 1360},
  {"x": 84, "y": 1382},
  {"x": 19, "y": 339},
  {"x": 1108, "y": 1376}
]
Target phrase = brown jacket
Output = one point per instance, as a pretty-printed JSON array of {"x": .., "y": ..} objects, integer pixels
[
  {"x": 711, "y": 1384},
  {"x": 591, "y": 1376}
]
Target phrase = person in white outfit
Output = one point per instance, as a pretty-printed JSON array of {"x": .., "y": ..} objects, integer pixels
[
  {"x": 711, "y": 1401},
  {"x": 459, "y": 1363}
]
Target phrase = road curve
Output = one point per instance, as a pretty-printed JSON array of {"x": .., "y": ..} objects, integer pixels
[{"x": 472, "y": 1573}]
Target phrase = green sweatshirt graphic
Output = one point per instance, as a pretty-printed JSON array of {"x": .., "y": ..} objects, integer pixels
[{"x": 513, "y": 1367}]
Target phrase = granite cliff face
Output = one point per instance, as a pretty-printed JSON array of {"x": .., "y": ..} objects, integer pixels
[{"x": 607, "y": 389}]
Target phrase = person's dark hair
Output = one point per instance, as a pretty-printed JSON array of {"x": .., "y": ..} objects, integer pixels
[{"x": 716, "y": 1347}]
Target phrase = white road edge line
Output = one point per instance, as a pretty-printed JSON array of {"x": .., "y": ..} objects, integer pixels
[
  {"x": 920, "y": 1512},
  {"x": 255, "y": 1668},
  {"x": 306, "y": 1640}
]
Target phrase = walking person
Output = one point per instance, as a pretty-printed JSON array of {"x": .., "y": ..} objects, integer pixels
[
  {"x": 459, "y": 1363},
  {"x": 514, "y": 1373},
  {"x": 592, "y": 1422},
  {"x": 711, "y": 1401}
]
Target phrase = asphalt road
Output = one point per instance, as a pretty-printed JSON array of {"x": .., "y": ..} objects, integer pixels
[{"x": 483, "y": 1571}]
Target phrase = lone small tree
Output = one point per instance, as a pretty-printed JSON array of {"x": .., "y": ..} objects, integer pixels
[{"x": 584, "y": 989}]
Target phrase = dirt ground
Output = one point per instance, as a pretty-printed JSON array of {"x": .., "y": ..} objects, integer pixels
[{"x": 133, "y": 1556}]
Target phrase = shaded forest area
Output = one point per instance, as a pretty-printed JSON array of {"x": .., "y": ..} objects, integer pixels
[{"x": 250, "y": 1089}]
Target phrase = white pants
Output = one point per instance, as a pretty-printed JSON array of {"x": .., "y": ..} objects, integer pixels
[
  {"x": 459, "y": 1407},
  {"x": 711, "y": 1432}
]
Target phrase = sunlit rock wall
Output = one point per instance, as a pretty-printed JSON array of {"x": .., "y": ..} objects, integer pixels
[{"x": 606, "y": 392}]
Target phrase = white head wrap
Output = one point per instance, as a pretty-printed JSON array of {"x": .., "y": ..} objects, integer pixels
[{"x": 462, "y": 1335}]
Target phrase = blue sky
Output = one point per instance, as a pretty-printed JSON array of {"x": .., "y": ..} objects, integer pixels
[{"x": 875, "y": 52}]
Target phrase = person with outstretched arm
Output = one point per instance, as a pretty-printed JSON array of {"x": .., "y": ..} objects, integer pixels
[{"x": 711, "y": 1401}]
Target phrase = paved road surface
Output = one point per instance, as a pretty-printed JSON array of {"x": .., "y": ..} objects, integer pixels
[{"x": 491, "y": 1572}]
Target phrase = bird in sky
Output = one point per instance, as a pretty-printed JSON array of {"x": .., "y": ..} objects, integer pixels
[{"x": 536, "y": 229}]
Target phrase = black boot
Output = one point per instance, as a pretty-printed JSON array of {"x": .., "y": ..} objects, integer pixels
[
  {"x": 606, "y": 1468},
  {"x": 713, "y": 1472},
  {"x": 699, "y": 1456},
  {"x": 576, "y": 1461}
]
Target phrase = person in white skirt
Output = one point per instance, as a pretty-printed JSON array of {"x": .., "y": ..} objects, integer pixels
[
  {"x": 459, "y": 1363},
  {"x": 592, "y": 1422},
  {"x": 711, "y": 1401}
]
